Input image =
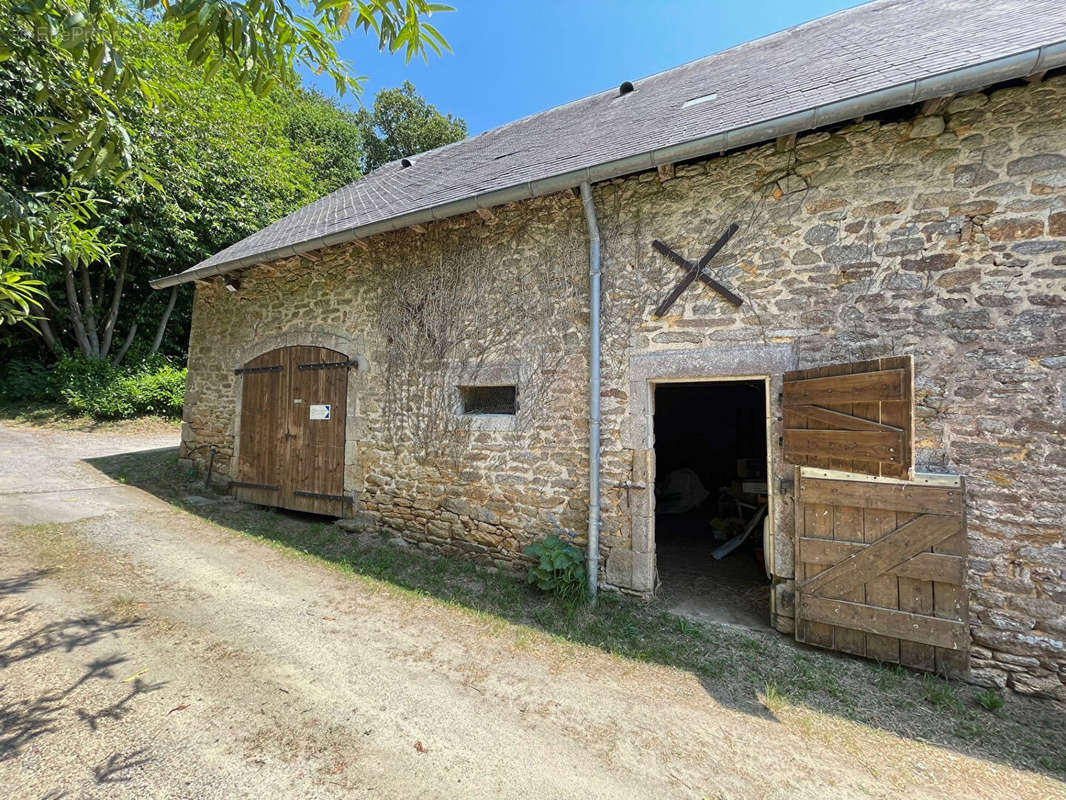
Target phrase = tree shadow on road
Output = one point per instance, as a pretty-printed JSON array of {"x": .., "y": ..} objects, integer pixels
[
  {"x": 66, "y": 635},
  {"x": 25, "y": 719},
  {"x": 113, "y": 768},
  {"x": 761, "y": 673}
]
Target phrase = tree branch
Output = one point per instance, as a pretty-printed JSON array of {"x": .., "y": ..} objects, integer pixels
[
  {"x": 163, "y": 321},
  {"x": 49, "y": 335},
  {"x": 98, "y": 295},
  {"x": 121, "y": 354},
  {"x": 90, "y": 312}
]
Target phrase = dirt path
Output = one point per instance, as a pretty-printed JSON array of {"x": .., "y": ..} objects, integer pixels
[{"x": 145, "y": 652}]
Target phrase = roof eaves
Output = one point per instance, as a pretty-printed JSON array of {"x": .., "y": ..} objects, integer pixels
[{"x": 971, "y": 77}]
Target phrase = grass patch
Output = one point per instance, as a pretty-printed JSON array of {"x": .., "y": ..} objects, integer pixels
[
  {"x": 940, "y": 693},
  {"x": 990, "y": 700},
  {"x": 751, "y": 671},
  {"x": 773, "y": 698},
  {"x": 53, "y": 415}
]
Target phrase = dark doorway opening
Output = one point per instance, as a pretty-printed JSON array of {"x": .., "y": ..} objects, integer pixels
[{"x": 711, "y": 499}]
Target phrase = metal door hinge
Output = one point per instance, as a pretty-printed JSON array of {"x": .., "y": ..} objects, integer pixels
[
  {"x": 320, "y": 496},
  {"x": 350, "y": 364}
]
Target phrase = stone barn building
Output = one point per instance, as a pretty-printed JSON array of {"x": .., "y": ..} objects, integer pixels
[{"x": 782, "y": 331}]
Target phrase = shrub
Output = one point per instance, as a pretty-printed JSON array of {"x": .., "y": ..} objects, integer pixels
[
  {"x": 28, "y": 381},
  {"x": 95, "y": 388},
  {"x": 558, "y": 568},
  {"x": 159, "y": 391},
  {"x": 92, "y": 386}
]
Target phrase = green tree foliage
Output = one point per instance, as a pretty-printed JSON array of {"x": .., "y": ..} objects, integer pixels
[
  {"x": 328, "y": 139},
  {"x": 75, "y": 89},
  {"x": 228, "y": 162},
  {"x": 403, "y": 124},
  {"x": 77, "y": 56},
  {"x": 20, "y": 297},
  {"x": 216, "y": 163}
]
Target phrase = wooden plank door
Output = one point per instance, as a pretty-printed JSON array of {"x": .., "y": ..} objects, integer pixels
[
  {"x": 292, "y": 432},
  {"x": 261, "y": 454},
  {"x": 880, "y": 567},
  {"x": 856, "y": 417},
  {"x": 318, "y": 395}
]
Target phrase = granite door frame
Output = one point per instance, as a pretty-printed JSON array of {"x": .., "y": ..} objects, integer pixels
[{"x": 703, "y": 365}]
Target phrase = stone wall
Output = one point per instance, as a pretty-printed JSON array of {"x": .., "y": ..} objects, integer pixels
[
  {"x": 939, "y": 233},
  {"x": 496, "y": 484}
]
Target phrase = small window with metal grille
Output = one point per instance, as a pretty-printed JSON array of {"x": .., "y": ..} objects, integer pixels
[{"x": 488, "y": 399}]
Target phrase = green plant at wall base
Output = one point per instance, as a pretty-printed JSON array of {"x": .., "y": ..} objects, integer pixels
[
  {"x": 558, "y": 568},
  {"x": 990, "y": 700},
  {"x": 939, "y": 692}
]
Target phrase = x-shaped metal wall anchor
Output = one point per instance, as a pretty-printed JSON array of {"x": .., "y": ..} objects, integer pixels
[{"x": 696, "y": 271}]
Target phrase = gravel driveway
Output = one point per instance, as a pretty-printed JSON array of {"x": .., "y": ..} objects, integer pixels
[{"x": 146, "y": 652}]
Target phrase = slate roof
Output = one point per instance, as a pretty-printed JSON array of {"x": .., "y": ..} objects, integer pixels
[{"x": 887, "y": 43}]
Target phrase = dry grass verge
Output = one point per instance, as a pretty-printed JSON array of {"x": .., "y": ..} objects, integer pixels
[
  {"x": 820, "y": 693},
  {"x": 43, "y": 415}
]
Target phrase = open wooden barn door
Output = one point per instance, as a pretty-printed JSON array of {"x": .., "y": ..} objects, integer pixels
[
  {"x": 856, "y": 417},
  {"x": 880, "y": 553}
]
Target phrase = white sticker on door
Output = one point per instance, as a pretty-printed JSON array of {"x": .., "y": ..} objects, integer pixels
[{"x": 320, "y": 412}]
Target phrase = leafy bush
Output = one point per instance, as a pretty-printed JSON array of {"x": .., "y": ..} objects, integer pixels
[
  {"x": 92, "y": 386},
  {"x": 96, "y": 388},
  {"x": 28, "y": 381},
  {"x": 558, "y": 568}
]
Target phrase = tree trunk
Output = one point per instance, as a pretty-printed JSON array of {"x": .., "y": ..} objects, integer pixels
[
  {"x": 49, "y": 336},
  {"x": 121, "y": 354},
  {"x": 163, "y": 321},
  {"x": 75, "y": 310},
  {"x": 90, "y": 311},
  {"x": 116, "y": 299}
]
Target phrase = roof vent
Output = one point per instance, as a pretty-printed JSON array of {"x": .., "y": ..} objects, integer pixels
[
  {"x": 405, "y": 163},
  {"x": 625, "y": 88},
  {"x": 703, "y": 98}
]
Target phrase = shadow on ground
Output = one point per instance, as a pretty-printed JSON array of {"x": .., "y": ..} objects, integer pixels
[
  {"x": 25, "y": 719},
  {"x": 761, "y": 673}
]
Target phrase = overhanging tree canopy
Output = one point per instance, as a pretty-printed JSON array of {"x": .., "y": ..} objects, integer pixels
[{"x": 74, "y": 88}]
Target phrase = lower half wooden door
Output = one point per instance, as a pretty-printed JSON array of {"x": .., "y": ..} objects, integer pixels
[{"x": 880, "y": 567}]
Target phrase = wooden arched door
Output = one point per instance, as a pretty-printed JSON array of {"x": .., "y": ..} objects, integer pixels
[{"x": 292, "y": 426}]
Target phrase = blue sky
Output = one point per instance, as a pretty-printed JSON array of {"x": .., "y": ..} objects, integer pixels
[{"x": 515, "y": 58}]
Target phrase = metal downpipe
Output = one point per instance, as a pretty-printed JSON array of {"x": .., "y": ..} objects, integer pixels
[{"x": 593, "y": 557}]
